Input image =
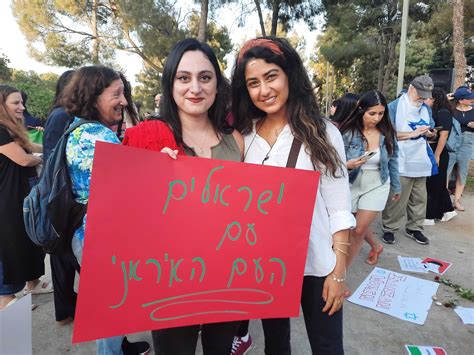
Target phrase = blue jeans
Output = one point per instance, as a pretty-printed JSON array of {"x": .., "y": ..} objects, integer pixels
[
  {"x": 107, "y": 346},
  {"x": 8, "y": 289},
  {"x": 110, "y": 346}
]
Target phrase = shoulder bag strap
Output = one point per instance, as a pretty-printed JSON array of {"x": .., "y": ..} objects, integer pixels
[{"x": 294, "y": 151}]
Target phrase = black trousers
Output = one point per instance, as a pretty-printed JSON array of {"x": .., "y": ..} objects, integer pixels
[
  {"x": 324, "y": 332},
  {"x": 63, "y": 271},
  {"x": 216, "y": 339}
]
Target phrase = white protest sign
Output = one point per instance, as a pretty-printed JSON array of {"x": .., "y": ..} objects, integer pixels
[
  {"x": 402, "y": 296},
  {"x": 15, "y": 328},
  {"x": 411, "y": 264},
  {"x": 466, "y": 314}
]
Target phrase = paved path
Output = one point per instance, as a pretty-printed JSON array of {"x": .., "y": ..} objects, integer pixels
[{"x": 366, "y": 331}]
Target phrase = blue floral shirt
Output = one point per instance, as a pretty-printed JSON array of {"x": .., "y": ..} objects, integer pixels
[{"x": 79, "y": 156}]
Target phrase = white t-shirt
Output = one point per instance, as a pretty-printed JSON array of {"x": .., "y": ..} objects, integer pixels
[{"x": 332, "y": 212}]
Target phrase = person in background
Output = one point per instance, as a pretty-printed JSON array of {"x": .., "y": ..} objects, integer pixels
[
  {"x": 30, "y": 122},
  {"x": 95, "y": 94},
  {"x": 439, "y": 204},
  {"x": 273, "y": 104},
  {"x": 369, "y": 130},
  {"x": 193, "y": 123},
  {"x": 63, "y": 265},
  {"x": 343, "y": 107},
  {"x": 58, "y": 119},
  {"x": 412, "y": 121},
  {"x": 21, "y": 261},
  {"x": 464, "y": 113}
]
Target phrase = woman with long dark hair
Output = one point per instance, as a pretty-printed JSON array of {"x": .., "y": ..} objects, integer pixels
[
  {"x": 193, "y": 113},
  {"x": 439, "y": 204},
  {"x": 343, "y": 107},
  {"x": 464, "y": 114},
  {"x": 273, "y": 104},
  {"x": 372, "y": 160}
]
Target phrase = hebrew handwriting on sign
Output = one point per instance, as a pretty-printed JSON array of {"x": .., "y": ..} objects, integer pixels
[{"x": 198, "y": 241}]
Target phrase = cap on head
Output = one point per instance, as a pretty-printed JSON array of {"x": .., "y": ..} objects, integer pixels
[
  {"x": 423, "y": 85},
  {"x": 463, "y": 93}
]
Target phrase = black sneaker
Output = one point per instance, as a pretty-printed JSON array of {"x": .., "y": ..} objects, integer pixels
[
  {"x": 419, "y": 237},
  {"x": 137, "y": 348},
  {"x": 388, "y": 238}
]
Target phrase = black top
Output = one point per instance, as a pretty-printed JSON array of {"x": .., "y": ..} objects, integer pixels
[
  {"x": 443, "y": 118},
  {"x": 464, "y": 117},
  {"x": 56, "y": 124},
  {"x": 22, "y": 260}
]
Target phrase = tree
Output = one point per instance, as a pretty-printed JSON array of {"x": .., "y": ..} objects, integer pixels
[
  {"x": 39, "y": 87},
  {"x": 287, "y": 12},
  {"x": 72, "y": 33},
  {"x": 5, "y": 71},
  {"x": 458, "y": 43},
  {"x": 150, "y": 77},
  {"x": 203, "y": 21}
]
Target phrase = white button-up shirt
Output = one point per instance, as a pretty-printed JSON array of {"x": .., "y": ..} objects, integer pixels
[{"x": 332, "y": 212}]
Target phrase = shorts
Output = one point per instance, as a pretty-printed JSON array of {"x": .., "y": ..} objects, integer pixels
[
  {"x": 368, "y": 193},
  {"x": 462, "y": 157}
]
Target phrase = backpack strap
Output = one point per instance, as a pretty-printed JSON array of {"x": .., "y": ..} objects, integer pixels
[
  {"x": 74, "y": 125},
  {"x": 294, "y": 151}
]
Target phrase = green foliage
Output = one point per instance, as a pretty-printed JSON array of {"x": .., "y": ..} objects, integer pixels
[
  {"x": 5, "y": 71},
  {"x": 67, "y": 33},
  {"x": 40, "y": 89},
  {"x": 358, "y": 32},
  {"x": 218, "y": 38}
]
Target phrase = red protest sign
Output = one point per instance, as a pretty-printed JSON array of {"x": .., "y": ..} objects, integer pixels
[{"x": 188, "y": 241}]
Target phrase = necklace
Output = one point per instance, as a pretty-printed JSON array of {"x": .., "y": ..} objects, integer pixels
[
  {"x": 276, "y": 131},
  {"x": 199, "y": 148}
]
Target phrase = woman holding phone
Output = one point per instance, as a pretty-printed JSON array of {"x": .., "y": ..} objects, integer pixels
[{"x": 372, "y": 160}]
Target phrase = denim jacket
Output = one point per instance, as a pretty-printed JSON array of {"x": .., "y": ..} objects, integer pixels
[{"x": 354, "y": 147}]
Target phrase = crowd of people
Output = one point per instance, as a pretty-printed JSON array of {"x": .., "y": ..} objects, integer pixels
[{"x": 373, "y": 156}]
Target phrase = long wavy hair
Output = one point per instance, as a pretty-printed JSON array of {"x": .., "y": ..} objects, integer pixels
[
  {"x": 440, "y": 101},
  {"x": 14, "y": 126},
  {"x": 344, "y": 107},
  {"x": 60, "y": 85},
  {"x": 169, "y": 110},
  {"x": 80, "y": 95},
  {"x": 355, "y": 123},
  {"x": 304, "y": 117}
]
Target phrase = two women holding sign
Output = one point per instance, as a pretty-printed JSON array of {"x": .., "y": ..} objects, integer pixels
[{"x": 273, "y": 105}]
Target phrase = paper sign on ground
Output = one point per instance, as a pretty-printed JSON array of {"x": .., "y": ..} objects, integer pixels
[
  {"x": 178, "y": 242},
  {"x": 436, "y": 265},
  {"x": 402, "y": 296},
  {"x": 411, "y": 264},
  {"x": 15, "y": 327},
  {"x": 466, "y": 314},
  {"x": 425, "y": 350}
]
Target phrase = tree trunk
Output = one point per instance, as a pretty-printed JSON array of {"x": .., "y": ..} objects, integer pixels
[
  {"x": 458, "y": 43},
  {"x": 391, "y": 61},
  {"x": 260, "y": 17},
  {"x": 275, "y": 11},
  {"x": 203, "y": 21},
  {"x": 95, "y": 34},
  {"x": 381, "y": 63}
]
